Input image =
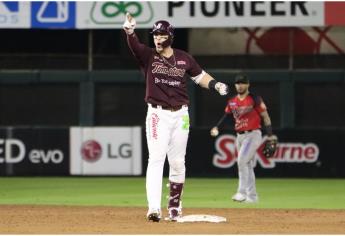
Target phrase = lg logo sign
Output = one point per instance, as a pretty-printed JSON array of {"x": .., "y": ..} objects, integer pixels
[
  {"x": 91, "y": 150},
  {"x": 14, "y": 151}
]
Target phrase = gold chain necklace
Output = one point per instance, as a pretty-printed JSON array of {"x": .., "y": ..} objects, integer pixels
[{"x": 166, "y": 61}]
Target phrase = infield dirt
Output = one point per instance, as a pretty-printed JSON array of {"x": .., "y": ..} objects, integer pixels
[{"x": 114, "y": 220}]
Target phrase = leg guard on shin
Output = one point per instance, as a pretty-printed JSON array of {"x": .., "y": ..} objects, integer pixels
[{"x": 174, "y": 204}]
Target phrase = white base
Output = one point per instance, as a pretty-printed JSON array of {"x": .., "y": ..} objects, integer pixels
[{"x": 201, "y": 218}]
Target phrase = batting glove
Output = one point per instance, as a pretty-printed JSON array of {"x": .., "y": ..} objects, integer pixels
[
  {"x": 129, "y": 24},
  {"x": 214, "y": 132},
  {"x": 272, "y": 137},
  {"x": 222, "y": 88}
]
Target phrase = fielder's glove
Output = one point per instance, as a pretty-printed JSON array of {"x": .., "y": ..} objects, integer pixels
[
  {"x": 270, "y": 146},
  {"x": 214, "y": 131},
  {"x": 222, "y": 88},
  {"x": 129, "y": 24}
]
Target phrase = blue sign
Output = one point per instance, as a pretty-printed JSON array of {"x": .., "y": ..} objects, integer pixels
[
  {"x": 11, "y": 6},
  {"x": 53, "y": 14},
  {"x": 9, "y": 14}
]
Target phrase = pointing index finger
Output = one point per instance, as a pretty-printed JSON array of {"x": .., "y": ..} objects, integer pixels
[{"x": 129, "y": 16}]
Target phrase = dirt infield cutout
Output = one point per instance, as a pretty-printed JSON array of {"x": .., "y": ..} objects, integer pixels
[{"x": 25, "y": 219}]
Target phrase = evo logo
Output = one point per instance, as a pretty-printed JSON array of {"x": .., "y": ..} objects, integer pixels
[
  {"x": 53, "y": 14},
  {"x": 14, "y": 151}
]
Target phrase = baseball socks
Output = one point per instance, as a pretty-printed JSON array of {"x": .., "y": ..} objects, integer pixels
[{"x": 174, "y": 204}]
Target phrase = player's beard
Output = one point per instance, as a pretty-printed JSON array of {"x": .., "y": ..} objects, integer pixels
[
  {"x": 242, "y": 91},
  {"x": 159, "y": 48}
]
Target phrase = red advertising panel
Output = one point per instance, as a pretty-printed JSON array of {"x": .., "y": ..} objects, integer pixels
[{"x": 334, "y": 13}]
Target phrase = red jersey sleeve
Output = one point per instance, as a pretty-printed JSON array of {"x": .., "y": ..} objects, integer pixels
[
  {"x": 140, "y": 51},
  {"x": 228, "y": 108},
  {"x": 260, "y": 106}
]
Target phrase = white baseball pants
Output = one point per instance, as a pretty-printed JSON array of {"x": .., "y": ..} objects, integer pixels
[
  {"x": 247, "y": 144},
  {"x": 166, "y": 134}
]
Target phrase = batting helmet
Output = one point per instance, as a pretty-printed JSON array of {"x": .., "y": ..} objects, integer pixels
[{"x": 164, "y": 27}]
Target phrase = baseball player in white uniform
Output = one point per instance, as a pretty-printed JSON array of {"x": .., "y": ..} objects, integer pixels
[{"x": 167, "y": 121}]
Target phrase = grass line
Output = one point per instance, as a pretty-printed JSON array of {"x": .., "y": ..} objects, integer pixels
[{"x": 201, "y": 192}]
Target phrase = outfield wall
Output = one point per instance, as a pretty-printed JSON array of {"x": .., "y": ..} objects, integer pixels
[
  {"x": 116, "y": 98},
  {"x": 122, "y": 151},
  {"x": 301, "y": 153}
]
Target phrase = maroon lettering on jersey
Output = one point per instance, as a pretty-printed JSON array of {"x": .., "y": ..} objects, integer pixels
[
  {"x": 245, "y": 112},
  {"x": 166, "y": 83}
]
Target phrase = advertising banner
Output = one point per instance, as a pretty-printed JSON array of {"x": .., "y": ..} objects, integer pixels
[
  {"x": 15, "y": 14},
  {"x": 53, "y": 14},
  {"x": 30, "y": 151},
  {"x": 106, "y": 151},
  {"x": 198, "y": 14},
  {"x": 103, "y": 14},
  {"x": 301, "y": 153},
  {"x": 183, "y": 14}
]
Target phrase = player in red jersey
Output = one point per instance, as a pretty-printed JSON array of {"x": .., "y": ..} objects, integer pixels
[
  {"x": 167, "y": 120},
  {"x": 248, "y": 111}
]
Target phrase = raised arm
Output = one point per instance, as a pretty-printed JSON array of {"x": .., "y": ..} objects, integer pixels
[{"x": 139, "y": 50}]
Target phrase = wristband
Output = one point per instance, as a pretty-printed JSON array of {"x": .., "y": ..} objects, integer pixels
[
  {"x": 269, "y": 130},
  {"x": 212, "y": 85}
]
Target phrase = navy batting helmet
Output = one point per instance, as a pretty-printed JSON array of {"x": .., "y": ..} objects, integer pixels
[{"x": 163, "y": 27}]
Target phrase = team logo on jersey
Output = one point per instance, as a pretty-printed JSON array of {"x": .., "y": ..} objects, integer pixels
[
  {"x": 181, "y": 63},
  {"x": 286, "y": 153},
  {"x": 158, "y": 58},
  {"x": 239, "y": 111},
  {"x": 160, "y": 68}
]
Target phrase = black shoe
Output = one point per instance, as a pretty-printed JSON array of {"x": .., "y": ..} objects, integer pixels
[{"x": 154, "y": 217}]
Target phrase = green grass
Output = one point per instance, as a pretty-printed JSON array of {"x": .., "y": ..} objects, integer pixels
[{"x": 202, "y": 192}]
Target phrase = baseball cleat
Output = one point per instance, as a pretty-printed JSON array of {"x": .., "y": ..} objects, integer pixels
[
  {"x": 239, "y": 197},
  {"x": 251, "y": 200},
  {"x": 174, "y": 214},
  {"x": 154, "y": 216}
]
